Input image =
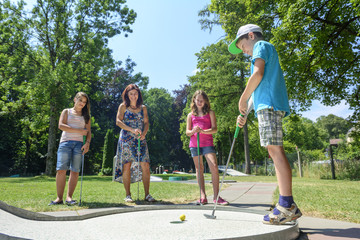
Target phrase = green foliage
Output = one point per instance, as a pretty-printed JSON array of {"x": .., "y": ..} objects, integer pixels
[
  {"x": 108, "y": 153},
  {"x": 336, "y": 127},
  {"x": 46, "y": 56},
  {"x": 303, "y": 133},
  {"x": 318, "y": 44},
  {"x": 107, "y": 171},
  {"x": 163, "y": 137}
]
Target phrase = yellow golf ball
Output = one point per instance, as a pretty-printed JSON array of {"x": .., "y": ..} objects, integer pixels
[{"x": 182, "y": 217}]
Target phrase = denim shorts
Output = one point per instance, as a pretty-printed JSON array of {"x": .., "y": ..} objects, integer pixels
[
  {"x": 270, "y": 127},
  {"x": 203, "y": 150},
  {"x": 69, "y": 156}
]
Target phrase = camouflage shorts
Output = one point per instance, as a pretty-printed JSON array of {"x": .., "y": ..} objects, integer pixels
[{"x": 270, "y": 127}]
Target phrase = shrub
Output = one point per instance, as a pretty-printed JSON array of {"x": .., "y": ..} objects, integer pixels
[{"x": 108, "y": 153}]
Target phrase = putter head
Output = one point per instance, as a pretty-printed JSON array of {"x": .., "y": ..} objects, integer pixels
[{"x": 208, "y": 216}]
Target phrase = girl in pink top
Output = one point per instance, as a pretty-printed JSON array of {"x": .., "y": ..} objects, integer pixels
[{"x": 201, "y": 120}]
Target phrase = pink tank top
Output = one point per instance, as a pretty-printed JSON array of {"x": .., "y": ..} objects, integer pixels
[
  {"x": 206, "y": 140},
  {"x": 74, "y": 122}
]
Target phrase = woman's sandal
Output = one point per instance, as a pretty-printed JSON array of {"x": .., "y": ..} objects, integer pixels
[
  {"x": 286, "y": 215},
  {"x": 149, "y": 198},
  {"x": 55, "y": 203}
]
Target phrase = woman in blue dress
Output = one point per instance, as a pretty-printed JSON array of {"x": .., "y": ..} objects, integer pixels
[{"x": 133, "y": 120}]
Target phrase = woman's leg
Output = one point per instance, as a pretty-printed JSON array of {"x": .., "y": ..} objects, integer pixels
[
  {"x": 212, "y": 162},
  {"x": 73, "y": 179},
  {"x": 145, "y": 166},
  {"x": 60, "y": 184},
  {"x": 200, "y": 174},
  {"x": 126, "y": 177},
  {"x": 75, "y": 166}
]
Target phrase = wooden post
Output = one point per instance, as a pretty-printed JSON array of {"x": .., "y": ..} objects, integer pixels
[
  {"x": 265, "y": 166},
  {"x": 299, "y": 162},
  {"x": 332, "y": 163}
]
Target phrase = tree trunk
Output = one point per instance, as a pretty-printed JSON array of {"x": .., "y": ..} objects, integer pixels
[
  {"x": 51, "y": 154},
  {"x": 27, "y": 156},
  {"x": 246, "y": 150}
]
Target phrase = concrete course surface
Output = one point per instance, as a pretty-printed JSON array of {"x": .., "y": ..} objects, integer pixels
[{"x": 249, "y": 201}]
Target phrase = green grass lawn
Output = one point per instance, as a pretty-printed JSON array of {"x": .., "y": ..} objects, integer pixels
[
  {"x": 332, "y": 199},
  {"x": 35, "y": 193}
]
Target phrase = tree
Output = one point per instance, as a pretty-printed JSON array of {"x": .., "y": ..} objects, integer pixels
[
  {"x": 69, "y": 39},
  {"x": 18, "y": 115},
  {"x": 317, "y": 41},
  {"x": 161, "y": 118},
  {"x": 303, "y": 133},
  {"x": 108, "y": 153},
  {"x": 336, "y": 127},
  {"x": 180, "y": 157}
]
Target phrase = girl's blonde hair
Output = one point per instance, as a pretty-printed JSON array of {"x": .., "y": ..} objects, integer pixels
[
  {"x": 206, "y": 109},
  {"x": 86, "y": 109}
]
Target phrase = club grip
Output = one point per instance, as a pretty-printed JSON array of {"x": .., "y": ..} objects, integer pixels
[
  {"x": 139, "y": 143},
  {"x": 237, "y": 131},
  {"x": 84, "y": 140},
  {"x": 198, "y": 143}
]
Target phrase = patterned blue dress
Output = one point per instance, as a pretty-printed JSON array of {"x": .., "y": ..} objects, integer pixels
[{"x": 127, "y": 148}]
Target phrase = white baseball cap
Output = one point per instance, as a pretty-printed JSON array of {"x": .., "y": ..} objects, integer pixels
[{"x": 243, "y": 30}]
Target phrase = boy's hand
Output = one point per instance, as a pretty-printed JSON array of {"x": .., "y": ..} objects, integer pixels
[
  {"x": 241, "y": 120},
  {"x": 243, "y": 106}
]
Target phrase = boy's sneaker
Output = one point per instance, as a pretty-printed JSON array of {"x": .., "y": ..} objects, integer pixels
[
  {"x": 221, "y": 201},
  {"x": 285, "y": 215},
  {"x": 128, "y": 199}
]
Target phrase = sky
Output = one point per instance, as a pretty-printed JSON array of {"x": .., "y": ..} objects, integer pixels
[{"x": 166, "y": 36}]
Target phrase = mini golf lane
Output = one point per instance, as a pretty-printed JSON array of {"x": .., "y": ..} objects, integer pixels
[{"x": 150, "y": 224}]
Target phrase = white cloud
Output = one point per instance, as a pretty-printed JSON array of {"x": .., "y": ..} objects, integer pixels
[{"x": 194, "y": 71}]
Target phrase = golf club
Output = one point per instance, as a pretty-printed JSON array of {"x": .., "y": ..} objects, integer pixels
[
  {"x": 138, "y": 167},
  {"x": 82, "y": 169},
  {"x": 212, "y": 216},
  {"x": 198, "y": 151}
]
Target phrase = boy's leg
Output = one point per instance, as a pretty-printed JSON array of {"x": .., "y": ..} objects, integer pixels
[
  {"x": 271, "y": 137},
  {"x": 282, "y": 168}
]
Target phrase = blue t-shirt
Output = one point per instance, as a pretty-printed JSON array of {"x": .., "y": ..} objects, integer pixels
[{"x": 271, "y": 92}]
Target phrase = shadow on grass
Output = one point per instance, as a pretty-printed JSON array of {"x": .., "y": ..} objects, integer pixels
[
  {"x": 92, "y": 205},
  {"x": 45, "y": 178},
  {"x": 158, "y": 202},
  {"x": 101, "y": 205}
]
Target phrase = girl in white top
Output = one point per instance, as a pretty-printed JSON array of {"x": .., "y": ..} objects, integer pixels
[{"x": 75, "y": 123}]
